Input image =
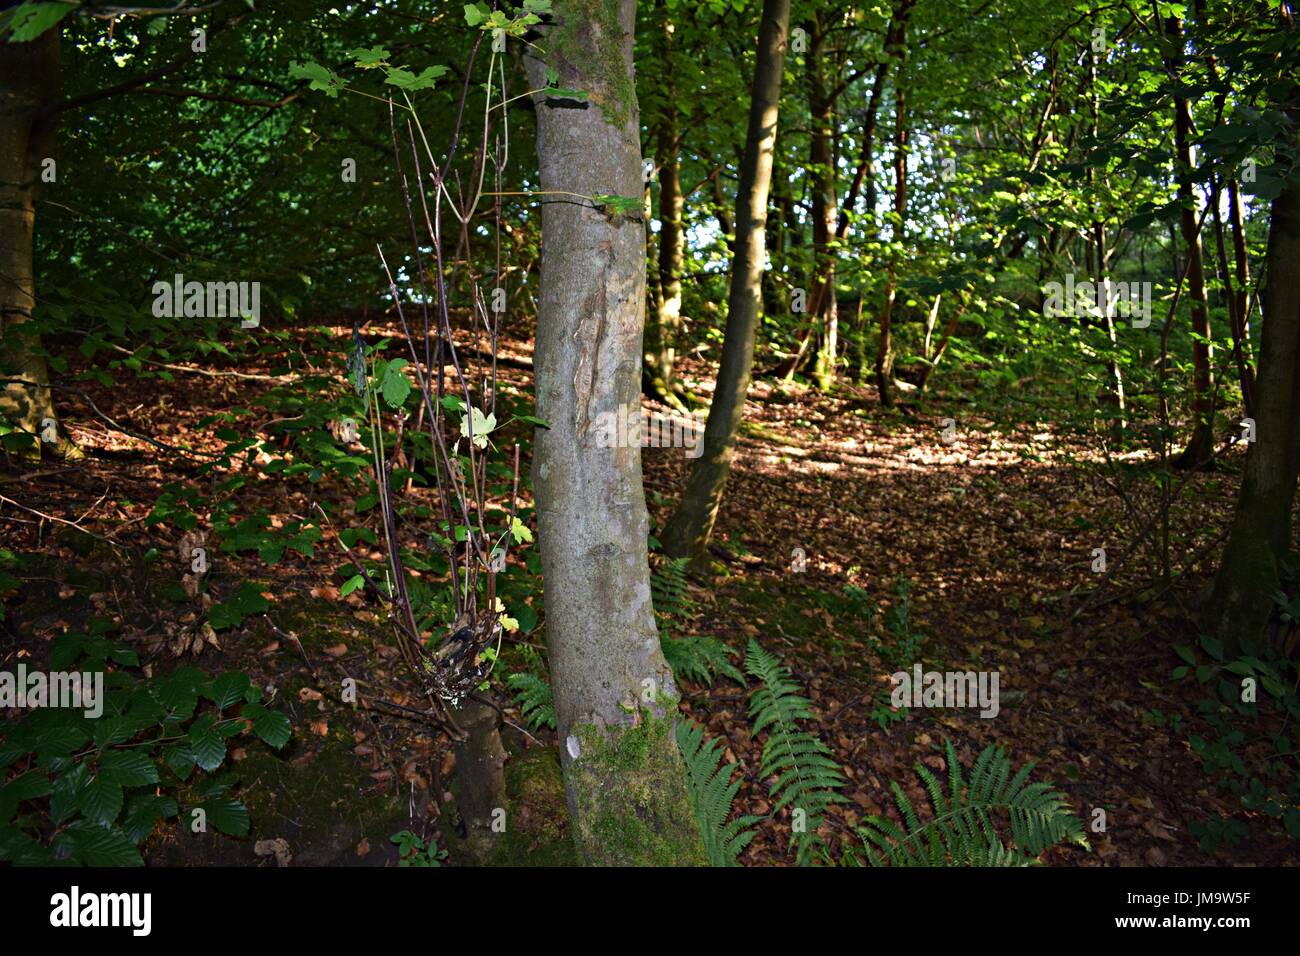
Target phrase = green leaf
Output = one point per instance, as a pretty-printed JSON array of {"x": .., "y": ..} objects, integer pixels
[
  {"x": 369, "y": 59},
  {"x": 206, "y": 745},
  {"x": 102, "y": 846},
  {"x": 143, "y": 812},
  {"x": 354, "y": 583},
  {"x": 475, "y": 14},
  {"x": 26, "y": 786},
  {"x": 270, "y": 725},
  {"x": 321, "y": 78},
  {"x": 128, "y": 768},
  {"x": 101, "y": 800},
  {"x": 228, "y": 816},
  {"x": 31, "y": 20},
  {"x": 406, "y": 80},
  {"x": 396, "y": 386},
  {"x": 228, "y": 689}
]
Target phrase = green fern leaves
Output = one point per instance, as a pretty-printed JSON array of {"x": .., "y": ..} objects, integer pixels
[
  {"x": 962, "y": 830},
  {"x": 699, "y": 659},
  {"x": 692, "y": 658},
  {"x": 808, "y": 780},
  {"x": 712, "y": 791},
  {"x": 532, "y": 691}
]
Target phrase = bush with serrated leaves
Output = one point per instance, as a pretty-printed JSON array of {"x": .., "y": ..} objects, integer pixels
[{"x": 82, "y": 790}]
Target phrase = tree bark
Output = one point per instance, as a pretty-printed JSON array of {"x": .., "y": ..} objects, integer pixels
[
  {"x": 615, "y": 700},
  {"x": 1241, "y": 600},
  {"x": 885, "y": 346},
  {"x": 480, "y": 776},
  {"x": 1200, "y": 448},
  {"x": 663, "y": 331},
  {"x": 29, "y": 75},
  {"x": 821, "y": 172},
  {"x": 691, "y": 526}
]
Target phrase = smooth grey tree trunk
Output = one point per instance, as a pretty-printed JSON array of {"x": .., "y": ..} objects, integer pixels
[
  {"x": 691, "y": 526},
  {"x": 615, "y": 700}
]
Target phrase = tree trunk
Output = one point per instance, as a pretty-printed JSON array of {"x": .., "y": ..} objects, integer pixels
[
  {"x": 885, "y": 346},
  {"x": 1200, "y": 448},
  {"x": 821, "y": 171},
  {"x": 615, "y": 700},
  {"x": 689, "y": 529},
  {"x": 29, "y": 74},
  {"x": 662, "y": 333},
  {"x": 480, "y": 776},
  {"x": 1242, "y": 597}
]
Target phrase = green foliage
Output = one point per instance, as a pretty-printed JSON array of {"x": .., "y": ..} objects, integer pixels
[
  {"x": 533, "y": 694},
  {"x": 699, "y": 658},
  {"x": 413, "y": 851},
  {"x": 904, "y": 649},
  {"x": 1250, "y": 739},
  {"x": 808, "y": 779},
  {"x": 695, "y": 658},
  {"x": 669, "y": 591},
  {"x": 88, "y": 790},
  {"x": 963, "y": 829},
  {"x": 247, "y": 601},
  {"x": 712, "y": 792}
]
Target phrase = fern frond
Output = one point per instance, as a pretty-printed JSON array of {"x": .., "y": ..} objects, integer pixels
[
  {"x": 536, "y": 703},
  {"x": 699, "y": 658},
  {"x": 808, "y": 779},
  {"x": 712, "y": 793},
  {"x": 962, "y": 830},
  {"x": 668, "y": 589}
]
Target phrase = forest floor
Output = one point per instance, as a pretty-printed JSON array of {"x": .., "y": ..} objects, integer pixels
[{"x": 985, "y": 531}]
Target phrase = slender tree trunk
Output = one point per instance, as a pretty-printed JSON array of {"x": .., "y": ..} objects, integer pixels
[
  {"x": 29, "y": 75},
  {"x": 689, "y": 529},
  {"x": 821, "y": 171},
  {"x": 615, "y": 699},
  {"x": 663, "y": 331},
  {"x": 1241, "y": 299},
  {"x": 1200, "y": 447},
  {"x": 885, "y": 346},
  {"x": 1242, "y": 597}
]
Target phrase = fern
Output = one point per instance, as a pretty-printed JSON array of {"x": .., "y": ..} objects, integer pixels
[
  {"x": 699, "y": 658},
  {"x": 808, "y": 780},
  {"x": 712, "y": 792},
  {"x": 962, "y": 831},
  {"x": 669, "y": 591},
  {"x": 533, "y": 692},
  {"x": 693, "y": 658}
]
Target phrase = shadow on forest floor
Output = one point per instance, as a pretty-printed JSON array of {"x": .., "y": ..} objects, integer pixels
[{"x": 993, "y": 532}]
